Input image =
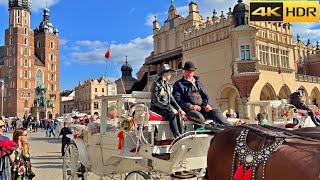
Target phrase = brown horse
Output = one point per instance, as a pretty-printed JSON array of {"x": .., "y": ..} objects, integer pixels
[{"x": 297, "y": 158}]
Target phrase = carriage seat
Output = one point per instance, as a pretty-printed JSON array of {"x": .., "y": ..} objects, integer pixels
[{"x": 157, "y": 117}]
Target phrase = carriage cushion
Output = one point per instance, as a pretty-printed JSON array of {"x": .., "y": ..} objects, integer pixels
[{"x": 155, "y": 117}]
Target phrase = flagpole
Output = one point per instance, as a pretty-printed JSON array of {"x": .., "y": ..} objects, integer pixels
[
  {"x": 107, "y": 56},
  {"x": 105, "y": 73}
]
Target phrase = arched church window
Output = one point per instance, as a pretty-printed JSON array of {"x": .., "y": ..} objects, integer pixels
[
  {"x": 25, "y": 104},
  {"x": 39, "y": 78}
]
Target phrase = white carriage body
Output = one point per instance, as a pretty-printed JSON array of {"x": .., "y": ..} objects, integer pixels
[{"x": 142, "y": 149}]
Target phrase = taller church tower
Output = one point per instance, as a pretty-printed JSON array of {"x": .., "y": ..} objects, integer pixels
[{"x": 18, "y": 59}]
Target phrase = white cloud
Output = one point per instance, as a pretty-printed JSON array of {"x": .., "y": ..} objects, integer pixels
[
  {"x": 36, "y": 4},
  {"x": 93, "y": 51},
  {"x": 305, "y": 31},
  {"x": 149, "y": 20}
]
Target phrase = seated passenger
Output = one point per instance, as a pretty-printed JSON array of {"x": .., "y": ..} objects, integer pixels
[
  {"x": 193, "y": 99},
  {"x": 296, "y": 99},
  {"x": 163, "y": 103},
  {"x": 112, "y": 120},
  {"x": 94, "y": 125}
]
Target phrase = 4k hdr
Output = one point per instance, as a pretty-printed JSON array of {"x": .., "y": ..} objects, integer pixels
[
  {"x": 266, "y": 11},
  {"x": 287, "y": 11}
]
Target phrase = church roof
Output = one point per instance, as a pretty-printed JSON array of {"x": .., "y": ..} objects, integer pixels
[
  {"x": 46, "y": 26},
  {"x": 1, "y": 55},
  {"x": 37, "y": 61}
]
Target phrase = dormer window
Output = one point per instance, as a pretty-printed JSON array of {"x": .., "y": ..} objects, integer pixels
[{"x": 171, "y": 24}]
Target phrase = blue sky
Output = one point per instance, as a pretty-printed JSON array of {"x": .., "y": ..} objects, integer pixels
[{"x": 88, "y": 27}]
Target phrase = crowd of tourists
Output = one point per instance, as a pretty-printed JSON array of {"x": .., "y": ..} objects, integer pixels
[{"x": 14, "y": 155}]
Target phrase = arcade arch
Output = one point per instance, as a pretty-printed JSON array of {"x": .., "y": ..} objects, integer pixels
[{"x": 267, "y": 93}]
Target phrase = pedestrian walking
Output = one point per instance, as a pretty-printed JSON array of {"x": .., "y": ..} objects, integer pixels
[
  {"x": 21, "y": 166},
  {"x": 7, "y": 146},
  {"x": 51, "y": 129},
  {"x": 65, "y": 140}
]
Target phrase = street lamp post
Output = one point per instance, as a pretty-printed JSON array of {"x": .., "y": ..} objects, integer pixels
[{"x": 2, "y": 94}]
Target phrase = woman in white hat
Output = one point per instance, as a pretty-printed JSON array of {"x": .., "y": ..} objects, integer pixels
[{"x": 163, "y": 103}]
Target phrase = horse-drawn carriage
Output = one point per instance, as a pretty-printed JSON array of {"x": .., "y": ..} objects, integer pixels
[
  {"x": 141, "y": 147},
  {"x": 282, "y": 114}
]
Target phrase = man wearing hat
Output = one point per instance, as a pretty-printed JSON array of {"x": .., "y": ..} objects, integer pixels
[
  {"x": 296, "y": 99},
  {"x": 163, "y": 103},
  {"x": 194, "y": 100}
]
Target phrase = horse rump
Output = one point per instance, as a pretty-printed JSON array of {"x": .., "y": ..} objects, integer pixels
[{"x": 295, "y": 159}]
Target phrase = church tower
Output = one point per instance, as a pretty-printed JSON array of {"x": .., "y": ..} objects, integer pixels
[
  {"x": 18, "y": 59},
  {"x": 46, "y": 41},
  {"x": 30, "y": 58}
]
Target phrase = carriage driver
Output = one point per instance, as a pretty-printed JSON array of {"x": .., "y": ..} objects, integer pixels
[
  {"x": 296, "y": 99},
  {"x": 194, "y": 100},
  {"x": 163, "y": 103}
]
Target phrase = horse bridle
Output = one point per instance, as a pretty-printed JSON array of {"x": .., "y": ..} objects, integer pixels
[{"x": 252, "y": 159}]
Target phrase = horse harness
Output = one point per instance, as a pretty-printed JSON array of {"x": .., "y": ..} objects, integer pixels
[{"x": 250, "y": 160}]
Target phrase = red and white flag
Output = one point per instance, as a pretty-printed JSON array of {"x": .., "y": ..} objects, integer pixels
[{"x": 108, "y": 54}]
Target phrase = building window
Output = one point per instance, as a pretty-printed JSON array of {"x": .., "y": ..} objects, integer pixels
[
  {"x": 171, "y": 24},
  {"x": 38, "y": 44},
  {"x": 96, "y": 105},
  {"x": 274, "y": 53},
  {"x": 102, "y": 89},
  {"x": 25, "y": 51},
  {"x": 52, "y": 67},
  {"x": 284, "y": 58},
  {"x": 264, "y": 54},
  {"x": 11, "y": 41},
  {"x": 52, "y": 77},
  {"x": 26, "y": 74},
  {"x": 96, "y": 90},
  {"x": 52, "y": 87},
  {"x": 51, "y": 45},
  {"x": 52, "y": 57},
  {"x": 25, "y": 104},
  {"x": 25, "y": 31},
  {"x": 26, "y": 63},
  {"x": 26, "y": 85},
  {"x": 245, "y": 52}
]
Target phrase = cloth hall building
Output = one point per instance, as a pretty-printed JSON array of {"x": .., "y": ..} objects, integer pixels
[{"x": 240, "y": 62}]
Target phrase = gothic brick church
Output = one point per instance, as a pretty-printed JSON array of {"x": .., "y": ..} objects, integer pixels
[{"x": 29, "y": 61}]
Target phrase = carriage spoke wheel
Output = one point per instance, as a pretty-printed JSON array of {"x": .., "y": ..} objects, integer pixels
[
  {"x": 137, "y": 175},
  {"x": 71, "y": 164}
]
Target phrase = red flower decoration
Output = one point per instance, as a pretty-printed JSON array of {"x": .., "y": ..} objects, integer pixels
[{"x": 21, "y": 170}]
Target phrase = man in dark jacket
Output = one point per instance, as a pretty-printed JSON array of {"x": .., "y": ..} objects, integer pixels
[
  {"x": 296, "y": 99},
  {"x": 163, "y": 103},
  {"x": 194, "y": 100},
  {"x": 65, "y": 140}
]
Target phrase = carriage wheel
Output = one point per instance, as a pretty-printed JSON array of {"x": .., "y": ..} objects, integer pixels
[
  {"x": 72, "y": 167},
  {"x": 137, "y": 175}
]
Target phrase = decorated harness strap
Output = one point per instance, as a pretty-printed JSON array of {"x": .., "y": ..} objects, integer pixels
[{"x": 250, "y": 160}]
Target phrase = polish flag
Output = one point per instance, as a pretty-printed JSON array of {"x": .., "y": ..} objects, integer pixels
[{"x": 108, "y": 53}]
